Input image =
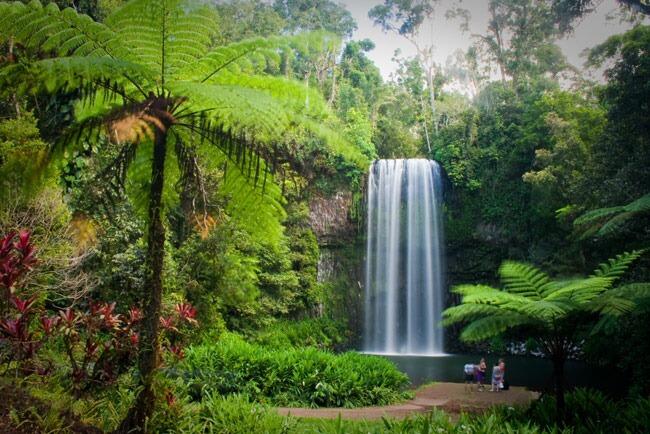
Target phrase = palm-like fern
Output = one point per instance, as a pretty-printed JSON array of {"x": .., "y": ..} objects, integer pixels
[
  {"x": 603, "y": 222},
  {"x": 150, "y": 80},
  {"x": 545, "y": 307}
]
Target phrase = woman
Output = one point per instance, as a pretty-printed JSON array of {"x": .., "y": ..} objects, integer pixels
[
  {"x": 480, "y": 374},
  {"x": 502, "y": 366},
  {"x": 497, "y": 377}
]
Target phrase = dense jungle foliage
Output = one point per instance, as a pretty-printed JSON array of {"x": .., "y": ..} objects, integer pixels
[{"x": 163, "y": 265}]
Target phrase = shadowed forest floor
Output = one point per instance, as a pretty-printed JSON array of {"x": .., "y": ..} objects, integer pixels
[{"x": 453, "y": 398}]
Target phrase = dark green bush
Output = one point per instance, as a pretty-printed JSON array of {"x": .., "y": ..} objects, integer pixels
[
  {"x": 291, "y": 376},
  {"x": 322, "y": 333},
  {"x": 590, "y": 411}
]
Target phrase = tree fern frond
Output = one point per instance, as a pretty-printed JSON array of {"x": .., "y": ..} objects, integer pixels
[
  {"x": 62, "y": 31},
  {"x": 257, "y": 207},
  {"x": 299, "y": 98},
  {"x": 471, "y": 289},
  {"x": 493, "y": 325},
  {"x": 524, "y": 279},
  {"x": 581, "y": 291},
  {"x": 611, "y": 305},
  {"x": 166, "y": 35},
  {"x": 468, "y": 312},
  {"x": 615, "y": 267},
  {"x": 494, "y": 297},
  {"x": 607, "y": 221},
  {"x": 221, "y": 58},
  {"x": 615, "y": 224},
  {"x": 597, "y": 214},
  {"x": 238, "y": 110},
  {"x": 90, "y": 74},
  {"x": 634, "y": 291},
  {"x": 542, "y": 310}
]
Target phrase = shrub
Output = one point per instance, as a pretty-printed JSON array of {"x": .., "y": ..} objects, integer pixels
[
  {"x": 236, "y": 415},
  {"x": 291, "y": 376},
  {"x": 590, "y": 411},
  {"x": 323, "y": 333}
]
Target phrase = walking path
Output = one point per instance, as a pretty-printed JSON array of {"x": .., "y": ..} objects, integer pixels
[{"x": 450, "y": 397}]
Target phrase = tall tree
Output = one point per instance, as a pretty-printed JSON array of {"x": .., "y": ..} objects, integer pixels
[
  {"x": 521, "y": 37},
  {"x": 310, "y": 15},
  {"x": 405, "y": 18},
  {"x": 150, "y": 79}
]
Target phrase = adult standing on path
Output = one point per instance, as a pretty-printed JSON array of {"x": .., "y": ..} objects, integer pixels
[{"x": 480, "y": 374}]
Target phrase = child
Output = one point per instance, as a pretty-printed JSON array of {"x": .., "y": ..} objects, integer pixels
[
  {"x": 480, "y": 374},
  {"x": 470, "y": 372},
  {"x": 497, "y": 377}
]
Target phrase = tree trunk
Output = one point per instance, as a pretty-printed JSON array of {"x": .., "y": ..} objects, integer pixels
[
  {"x": 432, "y": 100},
  {"x": 136, "y": 419},
  {"x": 558, "y": 373}
]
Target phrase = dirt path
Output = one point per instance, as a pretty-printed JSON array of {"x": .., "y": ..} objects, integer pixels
[{"x": 451, "y": 397}]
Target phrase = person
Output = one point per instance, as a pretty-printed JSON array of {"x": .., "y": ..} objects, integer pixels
[
  {"x": 470, "y": 374},
  {"x": 480, "y": 374},
  {"x": 502, "y": 366},
  {"x": 497, "y": 377}
]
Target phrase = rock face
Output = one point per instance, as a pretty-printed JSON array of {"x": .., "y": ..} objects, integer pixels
[
  {"x": 329, "y": 218},
  {"x": 340, "y": 267}
]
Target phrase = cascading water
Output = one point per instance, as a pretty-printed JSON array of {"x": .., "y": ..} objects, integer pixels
[{"x": 404, "y": 258}]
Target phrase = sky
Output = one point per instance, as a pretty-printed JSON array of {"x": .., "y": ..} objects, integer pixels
[{"x": 447, "y": 37}]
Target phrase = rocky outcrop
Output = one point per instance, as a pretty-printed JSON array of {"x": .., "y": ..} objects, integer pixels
[{"x": 329, "y": 218}]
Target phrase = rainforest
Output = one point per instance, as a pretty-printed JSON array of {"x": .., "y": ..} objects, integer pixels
[{"x": 313, "y": 216}]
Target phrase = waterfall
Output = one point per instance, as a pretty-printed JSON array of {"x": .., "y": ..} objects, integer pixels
[{"x": 404, "y": 258}]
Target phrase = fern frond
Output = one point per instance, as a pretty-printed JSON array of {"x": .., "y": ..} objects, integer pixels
[
  {"x": 467, "y": 312},
  {"x": 597, "y": 214},
  {"x": 633, "y": 291},
  {"x": 165, "y": 35},
  {"x": 238, "y": 110},
  {"x": 616, "y": 267},
  {"x": 471, "y": 289},
  {"x": 90, "y": 74},
  {"x": 524, "y": 279},
  {"x": 61, "y": 31},
  {"x": 607, "y": 221},
  {"x": 257, "y": 209},
  {"x": 493, "y": 325},
  {"x": 494, "y": 297},
  {"x": 580, "y": 291},
  {"x": 226, "y": 58},
  {"x": 295, "y": 95}
]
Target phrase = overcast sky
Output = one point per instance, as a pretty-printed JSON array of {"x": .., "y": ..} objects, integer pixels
[{"x": 447, "y": 37}]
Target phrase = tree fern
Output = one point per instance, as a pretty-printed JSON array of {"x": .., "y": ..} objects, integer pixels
[
  {"x": 150, "y": 80},
  {"x": 608, "y": 221},
  {"x": 547, "y": 308}
]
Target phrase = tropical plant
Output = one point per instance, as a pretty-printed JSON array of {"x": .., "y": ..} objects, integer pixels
[
  {"x": 290, "y": 376},
  {"x": 546, "y": 309},
  {"x": 603, "y": 222},
  {"x": 151, "y": 84}
]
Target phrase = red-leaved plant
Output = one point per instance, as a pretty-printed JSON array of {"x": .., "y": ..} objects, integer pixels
[
  {"x": 175, "y": 328},
  {"x": 100, "y": 343},
  {"x": 20, "y": 339}
]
